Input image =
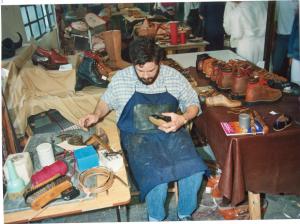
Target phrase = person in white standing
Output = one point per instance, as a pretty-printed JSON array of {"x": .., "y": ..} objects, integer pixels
[{"x": 245, "y": 22}]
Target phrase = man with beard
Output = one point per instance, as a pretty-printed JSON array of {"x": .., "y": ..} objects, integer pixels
[{"x": 156, "y": 155}]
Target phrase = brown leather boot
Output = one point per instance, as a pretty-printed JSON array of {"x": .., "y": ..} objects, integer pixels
[
  {"x": 221, "y": 100},
  {"x": 217, "y": 70},
  {"x": 225, "y": 78},
  {"x": 239, "y": 84},
  {"x": 112, "y": 40},
  {"x": 208, "y": 67},
  {"x": 258, "y": 91}
]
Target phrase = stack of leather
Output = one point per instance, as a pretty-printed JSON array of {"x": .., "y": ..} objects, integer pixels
[{"x": 241, "y": 78}]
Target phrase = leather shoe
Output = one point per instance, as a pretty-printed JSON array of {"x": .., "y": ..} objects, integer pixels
[
  {"x": 259, "y": 91},
  {"x": 54, "y": 57},
  {"x": 44, "y": 61},
  {"x": 221, "y": 100},
  {"x": 282, "y": 122},
  {"x": 239, "y": 85}
]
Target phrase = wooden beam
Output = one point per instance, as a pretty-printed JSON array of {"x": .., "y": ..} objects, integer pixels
[{"x": 254, "y": 205}]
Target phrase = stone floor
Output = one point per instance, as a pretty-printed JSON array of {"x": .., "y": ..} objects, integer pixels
[{"x": 279, "y": 207}]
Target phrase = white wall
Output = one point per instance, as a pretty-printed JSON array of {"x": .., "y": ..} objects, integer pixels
[{"x": 11, "y": 22}]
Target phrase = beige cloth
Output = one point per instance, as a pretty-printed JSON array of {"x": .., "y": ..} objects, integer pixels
[{"x": 32, "y": 89}]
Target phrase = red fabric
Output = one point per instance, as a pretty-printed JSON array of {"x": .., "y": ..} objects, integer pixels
[{"x": 260, "y": 164}]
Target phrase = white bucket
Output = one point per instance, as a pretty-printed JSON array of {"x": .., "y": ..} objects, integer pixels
[{"x": 45, "y": 154}]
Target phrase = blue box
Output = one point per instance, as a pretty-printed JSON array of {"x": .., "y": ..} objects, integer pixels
[{"x": 86, "y": 158}]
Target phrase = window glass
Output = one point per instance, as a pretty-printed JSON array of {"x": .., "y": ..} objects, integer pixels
[
  {"x": 49, "y": 9},
  {"x": 52, "y": 20},
  {"x": 37, "y": 21},
  {"x": 28, "y": 33},
  {"x": 31, "y": 13},
  {"x": 44, "y": 9},
  {"x": 24, "y": 15},
  {"x": 39, "y": 11},
  {"x": 35, "y": 30},
  {"x": 42, "y": 25}
]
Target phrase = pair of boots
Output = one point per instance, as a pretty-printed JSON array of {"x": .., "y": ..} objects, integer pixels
[{"x": 89, "y": 70}]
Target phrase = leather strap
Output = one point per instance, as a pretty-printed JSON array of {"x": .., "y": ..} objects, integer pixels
[{"x": 106, "y": 183}]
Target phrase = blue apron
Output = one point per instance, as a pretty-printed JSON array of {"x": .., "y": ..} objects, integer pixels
[{"x": 155, "y": 157}]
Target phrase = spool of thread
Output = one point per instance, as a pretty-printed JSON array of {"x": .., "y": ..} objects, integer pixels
[
  {"x": 45, "y": 154},
  {"x": 244, "y": 121},
  {"x": 182, "y": 38},
  {"x": 59, "y": 167},
  {"x": 23, "y": 166},
  {"x": 173, "y": 32}
]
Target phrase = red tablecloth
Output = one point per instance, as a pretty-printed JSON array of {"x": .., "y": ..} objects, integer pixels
[{"x": 261, "y": 164}]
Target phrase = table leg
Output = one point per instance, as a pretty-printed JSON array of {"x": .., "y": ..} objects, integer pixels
[
  {"x": 170, "y": 52},
  {"x": 118, "y": 213},
  {"x": 254, "y": 205}
]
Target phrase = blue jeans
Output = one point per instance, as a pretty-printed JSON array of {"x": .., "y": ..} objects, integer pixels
[
  {"x": 279, "y": 54},
  {"x": 187, "y": 201}
]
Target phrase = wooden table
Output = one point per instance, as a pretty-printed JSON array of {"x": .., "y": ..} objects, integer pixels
[
  {"x": 117, "y": 195},
  {"x": 173, "y": 49},
  {"x": 253, "y": 164}
]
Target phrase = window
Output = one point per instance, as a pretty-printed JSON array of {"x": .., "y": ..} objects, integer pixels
[{"x": 37, "y": 20}]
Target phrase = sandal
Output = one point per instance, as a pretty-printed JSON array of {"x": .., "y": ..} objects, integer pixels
[{"x": 282, "y": 122}]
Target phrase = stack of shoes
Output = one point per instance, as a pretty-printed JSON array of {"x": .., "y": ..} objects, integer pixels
[
  {"x": 221, "y": 100},
  {"x": 237, "y": 76},
  {"x": 49, "y": 59},
  {"x": 259, "y": 92},
  {"x": 89, "y": 72}
]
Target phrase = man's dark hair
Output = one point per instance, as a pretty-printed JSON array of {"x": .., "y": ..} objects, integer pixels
[{"x": 143, "y": 50}]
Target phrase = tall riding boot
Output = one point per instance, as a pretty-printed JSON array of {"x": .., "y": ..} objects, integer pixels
[{"x": 112, "y": 40}]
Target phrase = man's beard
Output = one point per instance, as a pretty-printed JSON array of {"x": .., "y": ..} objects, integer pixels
[{"x": 147, "y": 81}]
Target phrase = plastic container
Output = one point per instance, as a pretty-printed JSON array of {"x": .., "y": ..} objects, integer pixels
[{"x": 86, "y": 158}]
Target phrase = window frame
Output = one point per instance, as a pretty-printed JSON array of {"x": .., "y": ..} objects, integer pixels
[{"x": 45, "y": 18}]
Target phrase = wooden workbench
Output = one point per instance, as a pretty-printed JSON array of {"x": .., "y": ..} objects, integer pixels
[
  {"x": 173, "y": 49},
  {"x": 116, "y": 196}
]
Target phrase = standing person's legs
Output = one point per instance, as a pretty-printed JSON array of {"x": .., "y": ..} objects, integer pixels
[
  {"x": 279, "y": 54},
  {"x": 295, "y": 71},
  {"x": 155, "y": 201},
  {"x": 188, "y": 189}
]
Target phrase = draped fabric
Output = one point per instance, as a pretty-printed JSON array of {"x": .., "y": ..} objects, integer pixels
[{"x": 32, "y": 89}]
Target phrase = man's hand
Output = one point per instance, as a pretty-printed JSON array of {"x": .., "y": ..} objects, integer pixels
[
  {"x": 88, "y": 120},
  {"x": 177, "y": 121}
]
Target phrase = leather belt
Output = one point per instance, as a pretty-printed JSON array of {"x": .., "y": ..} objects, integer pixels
[{"x": 107, "y": 175}]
